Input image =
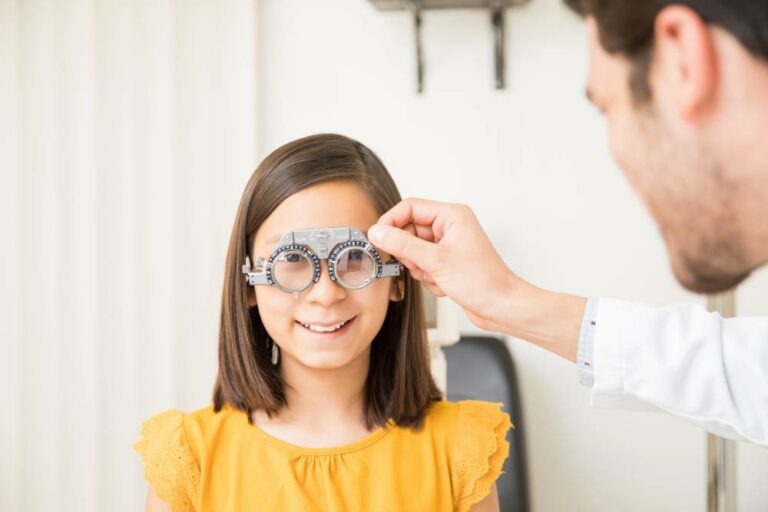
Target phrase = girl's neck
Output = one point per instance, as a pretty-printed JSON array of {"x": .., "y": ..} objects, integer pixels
[
  {"x": 316, "y": 395},
  {"x": 325, "y": 407}
]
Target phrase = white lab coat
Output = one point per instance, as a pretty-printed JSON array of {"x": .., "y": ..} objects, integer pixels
[{"x": 684, "y": 360}]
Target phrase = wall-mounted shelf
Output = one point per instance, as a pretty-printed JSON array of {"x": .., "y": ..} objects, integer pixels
[
  {"x": 495, "y": 8},
  {"x": 400, "y": 5}
]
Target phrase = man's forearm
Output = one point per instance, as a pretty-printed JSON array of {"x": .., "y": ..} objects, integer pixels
[{"x": 548, "y": 319}]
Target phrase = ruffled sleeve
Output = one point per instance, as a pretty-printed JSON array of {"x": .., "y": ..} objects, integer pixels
[
  {"x": 479, "y": 451},
  {"x": 169, "y": 465}
]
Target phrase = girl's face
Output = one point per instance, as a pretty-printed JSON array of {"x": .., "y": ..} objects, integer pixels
[{"x": 325, "y": 303}]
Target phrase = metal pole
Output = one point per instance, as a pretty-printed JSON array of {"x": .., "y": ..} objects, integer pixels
[
  {"x": 417, "y": 9},
  {"x": 497, "y": 20},
  {"x": 721, "y": 453}
]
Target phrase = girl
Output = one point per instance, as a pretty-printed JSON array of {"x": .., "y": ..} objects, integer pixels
[{"x": 324, "y": 398}]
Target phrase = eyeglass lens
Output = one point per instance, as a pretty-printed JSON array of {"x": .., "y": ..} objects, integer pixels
[{"x": 292, "y": 271}]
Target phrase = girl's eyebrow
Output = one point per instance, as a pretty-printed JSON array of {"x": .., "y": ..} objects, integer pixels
[{"x": 274, "y": 238}]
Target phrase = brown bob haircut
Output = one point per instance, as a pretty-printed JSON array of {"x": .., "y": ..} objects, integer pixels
[
  {"x": 626, "y": 27},
  {"x": 399, "y": 385}
]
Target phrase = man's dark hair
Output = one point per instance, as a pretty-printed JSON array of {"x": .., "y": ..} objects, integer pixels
[{"x": 626, "y": 27}]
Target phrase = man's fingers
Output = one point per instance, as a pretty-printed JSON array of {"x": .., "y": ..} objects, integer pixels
[
  {"x": 403, "y": 246},
  {"x": 434, "y": 289},
  {"x": 417, "y": 273},
  {"x": 426, "y": 280},
  {"x": 420, "y": 275},
  {"x": 412, "y": 211},
  {"x": 423, "y": 232}
]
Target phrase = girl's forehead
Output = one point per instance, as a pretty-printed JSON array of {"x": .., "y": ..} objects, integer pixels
[{"x": 325, "y": 205}]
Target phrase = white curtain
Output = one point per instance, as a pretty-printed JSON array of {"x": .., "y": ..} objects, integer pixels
[{"x": 127, "y": 131}]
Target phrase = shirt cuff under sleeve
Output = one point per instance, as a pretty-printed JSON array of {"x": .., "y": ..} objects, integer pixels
[{"x": 586, "y": 349}]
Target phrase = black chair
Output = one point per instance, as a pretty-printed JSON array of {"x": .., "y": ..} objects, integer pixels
[{"x": 481, "y": 368}]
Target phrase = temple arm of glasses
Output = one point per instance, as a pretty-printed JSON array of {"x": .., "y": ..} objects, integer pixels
[
  {"x": 391, "y": 269},
  {"x": 254, "y": 278}
]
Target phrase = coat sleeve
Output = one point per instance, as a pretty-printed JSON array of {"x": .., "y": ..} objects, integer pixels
[{"x": 686, "y": 361}]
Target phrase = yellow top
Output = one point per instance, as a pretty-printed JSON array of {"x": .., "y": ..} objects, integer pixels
[{"x": 206, "y": 461}]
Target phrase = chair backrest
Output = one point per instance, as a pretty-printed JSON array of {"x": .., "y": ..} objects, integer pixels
[{"x": 481, "y": 368}]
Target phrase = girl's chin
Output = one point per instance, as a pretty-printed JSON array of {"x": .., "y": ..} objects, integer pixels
[
  {"x": 327, "y": 359},
  {"x": 324, "y": 361}
]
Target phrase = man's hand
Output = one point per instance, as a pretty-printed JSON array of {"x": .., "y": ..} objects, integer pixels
[{"x": 444, "y": 247}]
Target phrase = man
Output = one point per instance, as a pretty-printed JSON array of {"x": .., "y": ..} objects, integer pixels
[{"x": 684, "y": 88}]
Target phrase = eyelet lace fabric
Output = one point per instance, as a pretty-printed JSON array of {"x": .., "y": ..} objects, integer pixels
[
  {"x": 169, "y": 465},
  {"x": 480, "y": 450}
]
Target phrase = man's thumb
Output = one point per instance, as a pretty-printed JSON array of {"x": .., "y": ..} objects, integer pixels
[{"x": 403, "y": 245}]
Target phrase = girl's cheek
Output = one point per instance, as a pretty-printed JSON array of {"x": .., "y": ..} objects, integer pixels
[
  {"x": 270, "y": 296},
  {"x": 375, "y": 296},
  {"x": 274, "y": 307}
]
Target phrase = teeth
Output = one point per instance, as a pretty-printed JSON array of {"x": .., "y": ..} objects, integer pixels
[{"x": 320, "y": 328}]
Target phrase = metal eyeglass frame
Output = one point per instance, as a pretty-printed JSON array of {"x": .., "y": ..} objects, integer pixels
[{"x": 320, "y": 244}]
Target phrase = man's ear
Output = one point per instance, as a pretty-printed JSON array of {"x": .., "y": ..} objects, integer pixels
[
  {"x": 397, "y": 290},
  {"x": 685, "y": 60}
]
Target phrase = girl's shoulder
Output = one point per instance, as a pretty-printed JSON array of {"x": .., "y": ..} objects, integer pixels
[
  {"x": 171, "y": 445},
  {"x": 477, "y": 435},
  {"x": 467, "y": 417}
]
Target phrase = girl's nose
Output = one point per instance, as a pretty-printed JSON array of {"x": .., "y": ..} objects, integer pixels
[{"x": 325, "y": 291}]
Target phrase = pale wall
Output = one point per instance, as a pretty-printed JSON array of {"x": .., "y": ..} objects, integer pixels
[{"x": 532, "y": 162}]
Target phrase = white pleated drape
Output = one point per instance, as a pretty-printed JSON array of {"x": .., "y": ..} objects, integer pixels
[{"x": 127, "y": 131}]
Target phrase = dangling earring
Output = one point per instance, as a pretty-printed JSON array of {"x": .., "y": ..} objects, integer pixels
[
  {"x": 275, "y": 354},
  {"x": 400, "y": 287},
  {"x": 274, "y": 351}
]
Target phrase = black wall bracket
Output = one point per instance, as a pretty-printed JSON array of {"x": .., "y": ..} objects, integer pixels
[{"x": 417, "y": 7}]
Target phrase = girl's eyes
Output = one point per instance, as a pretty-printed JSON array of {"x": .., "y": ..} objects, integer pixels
[{"x": 293, "y": 258}]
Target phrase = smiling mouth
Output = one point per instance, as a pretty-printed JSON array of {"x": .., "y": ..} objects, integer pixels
[{"x": 324, "y": 329}]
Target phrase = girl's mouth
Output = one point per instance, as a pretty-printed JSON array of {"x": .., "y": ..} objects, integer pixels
[{"x": 327, "y": 330}]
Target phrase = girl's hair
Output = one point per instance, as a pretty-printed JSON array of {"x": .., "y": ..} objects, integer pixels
[{"x": 399, "y": 384}]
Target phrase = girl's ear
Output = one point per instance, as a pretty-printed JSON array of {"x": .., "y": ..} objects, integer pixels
[
  {"x": 397, "y": 290},
  {"x": 251, "y": 295}
]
